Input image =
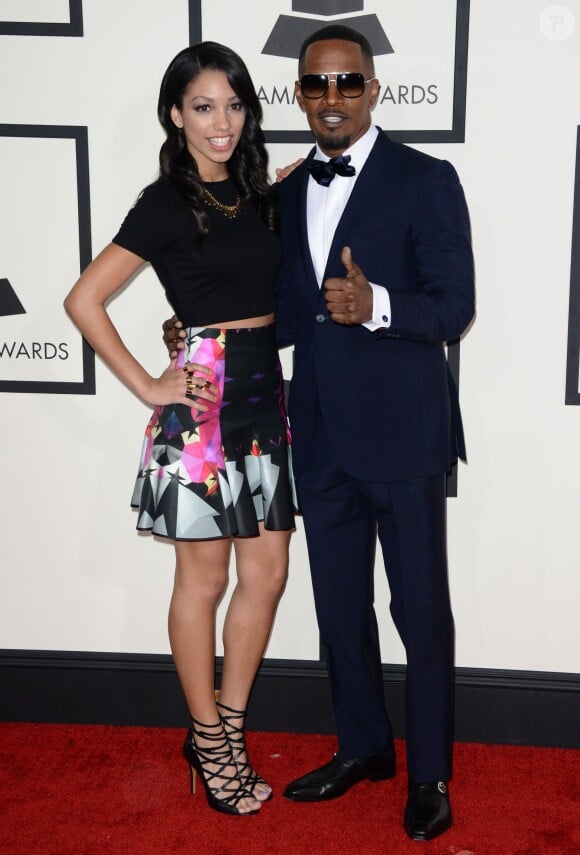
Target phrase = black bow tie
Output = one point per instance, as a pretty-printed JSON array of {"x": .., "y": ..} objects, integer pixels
[{"x": 324, "y": 171}]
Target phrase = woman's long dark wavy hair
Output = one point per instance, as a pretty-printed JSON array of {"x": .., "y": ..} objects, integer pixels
[{"x": 249, "y": 162}]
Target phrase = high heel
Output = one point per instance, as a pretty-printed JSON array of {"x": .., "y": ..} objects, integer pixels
[
  {"x": 219, "y": 756},
  {"x": 236, "y": 738}
]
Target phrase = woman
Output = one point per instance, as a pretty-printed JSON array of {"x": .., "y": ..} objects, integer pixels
[{"x": 215, "y": 469}]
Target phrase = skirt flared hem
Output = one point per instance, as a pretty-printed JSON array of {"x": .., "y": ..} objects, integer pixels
[{"x": 218, "y": 474}]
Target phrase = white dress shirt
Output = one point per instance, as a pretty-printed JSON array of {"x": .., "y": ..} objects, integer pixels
[{"x": 324, "y": 208}]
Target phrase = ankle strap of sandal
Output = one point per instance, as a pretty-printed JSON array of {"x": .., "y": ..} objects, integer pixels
[{"x": 234, "y": 713}]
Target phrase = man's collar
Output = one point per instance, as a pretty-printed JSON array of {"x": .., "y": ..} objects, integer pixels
[{"x": 358, "y": 152}]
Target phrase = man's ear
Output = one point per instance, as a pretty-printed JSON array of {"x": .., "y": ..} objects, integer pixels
[
  {"x": 375, "y": 90},
  {"x": 176, "y": 117},
  {"x": 298, "y": 96}
]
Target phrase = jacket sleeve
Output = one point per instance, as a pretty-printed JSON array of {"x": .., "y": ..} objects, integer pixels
[{"x": 442, "y": 304}]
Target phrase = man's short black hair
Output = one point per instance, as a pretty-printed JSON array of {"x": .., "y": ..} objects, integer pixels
[{"x": 337, "y": 31}]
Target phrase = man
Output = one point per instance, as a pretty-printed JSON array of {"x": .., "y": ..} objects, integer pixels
[
  {"x": 376, "y": 275},
  {"x": 374, "y": 414}
]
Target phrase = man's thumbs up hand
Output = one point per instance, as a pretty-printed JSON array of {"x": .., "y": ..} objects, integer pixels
[{"x": 349, "y": 300}]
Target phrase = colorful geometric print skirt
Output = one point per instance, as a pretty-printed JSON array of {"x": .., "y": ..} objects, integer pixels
[{"x": 215, "y": 474}]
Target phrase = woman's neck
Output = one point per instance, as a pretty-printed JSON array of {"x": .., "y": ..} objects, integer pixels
[{"x": 214, "y": 177}]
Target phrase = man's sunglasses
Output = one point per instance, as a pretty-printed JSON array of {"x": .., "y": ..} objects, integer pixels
[{"x": 350, "y": 84}]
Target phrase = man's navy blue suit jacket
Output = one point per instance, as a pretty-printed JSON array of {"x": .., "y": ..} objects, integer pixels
[{"x": 387, "y": 399}]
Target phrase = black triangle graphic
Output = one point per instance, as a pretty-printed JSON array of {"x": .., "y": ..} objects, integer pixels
[
  {"x": 9, "y": 302},
  {"x": 289, "y": 33}
]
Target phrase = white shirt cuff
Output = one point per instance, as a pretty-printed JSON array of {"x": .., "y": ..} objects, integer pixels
[{"x": 381, "y": 309}]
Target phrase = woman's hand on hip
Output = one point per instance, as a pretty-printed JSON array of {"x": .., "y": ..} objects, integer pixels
[{"x": 190, "y": 386}]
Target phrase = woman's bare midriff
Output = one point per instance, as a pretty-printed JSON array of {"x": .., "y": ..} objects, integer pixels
[{"x": 245, "y": 323}]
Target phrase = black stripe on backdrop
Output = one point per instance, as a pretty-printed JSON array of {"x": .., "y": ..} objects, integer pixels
[
  {"x": 72, "y": 27},
  {"x": 573, "y": 358}
]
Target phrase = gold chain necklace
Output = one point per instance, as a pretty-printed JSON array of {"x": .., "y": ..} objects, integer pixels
[{"x": 230, "y": 211}]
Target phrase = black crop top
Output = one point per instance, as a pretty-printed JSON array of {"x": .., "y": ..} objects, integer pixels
[{"x": 230, "y": 278}]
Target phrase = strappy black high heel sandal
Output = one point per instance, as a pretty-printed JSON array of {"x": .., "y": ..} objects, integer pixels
[
  {"x": 223, "y": 790},
  {"x": 237, "y": 741}
]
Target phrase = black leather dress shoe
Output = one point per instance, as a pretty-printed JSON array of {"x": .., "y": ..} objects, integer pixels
[
  {"x": 338, "y": 776},
  {"x": 428, "y": 812}
]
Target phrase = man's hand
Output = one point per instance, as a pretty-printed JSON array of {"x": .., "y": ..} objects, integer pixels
[
  {"x": 173, "y": 336},
  {"x": 284, "y": 171},
  {"x": 349, "y": 300}
]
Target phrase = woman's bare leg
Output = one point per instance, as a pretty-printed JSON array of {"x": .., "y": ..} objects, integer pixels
[
  {"x": 262, "y": 569},
  {"x": 201, "y": 576}
]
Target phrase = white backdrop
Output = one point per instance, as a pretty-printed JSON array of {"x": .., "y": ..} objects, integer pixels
[{"x": 74, "y": 575}]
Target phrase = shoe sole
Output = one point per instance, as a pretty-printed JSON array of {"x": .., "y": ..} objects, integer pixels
[{"x": 424, "y": 837}]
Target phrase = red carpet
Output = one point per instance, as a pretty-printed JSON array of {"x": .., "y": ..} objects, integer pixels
[{"x": 80, "y": 790}]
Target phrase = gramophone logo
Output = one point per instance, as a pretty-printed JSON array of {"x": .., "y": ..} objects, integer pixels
[
  {"x": 291, "y": 30},
  {"x": 15, "y": 349},
  {"x": 9, "y": 302},
  {"x": 420, "y": 54}
]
